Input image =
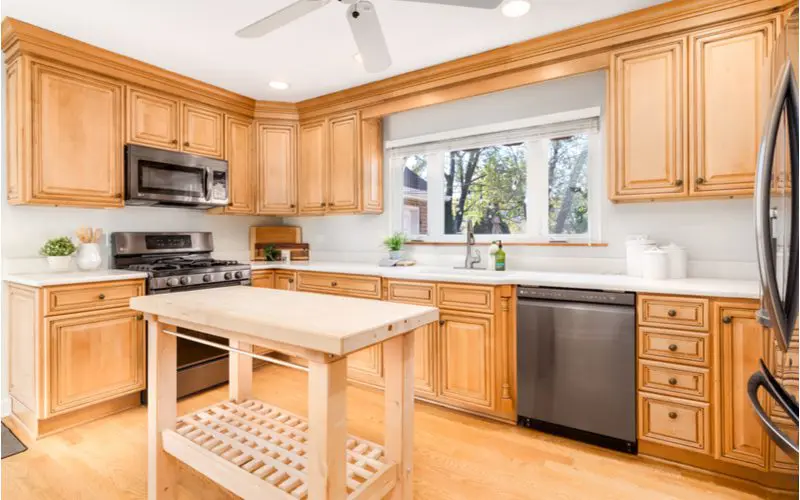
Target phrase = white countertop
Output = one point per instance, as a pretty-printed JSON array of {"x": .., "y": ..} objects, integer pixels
[
  {"x": 339, "y": 325},
  {"x": 72, "y": 277},
  {"x": 712, "y": 287}
]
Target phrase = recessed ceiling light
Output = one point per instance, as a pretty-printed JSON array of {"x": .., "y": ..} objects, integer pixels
[
  {"x": 516, "y": 8},
  {"x": 278, "y": 85},
  {"x": 357, "y": 57}
]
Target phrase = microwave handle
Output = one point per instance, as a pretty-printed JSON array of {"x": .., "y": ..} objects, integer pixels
[{"x": 209, "y": 183}]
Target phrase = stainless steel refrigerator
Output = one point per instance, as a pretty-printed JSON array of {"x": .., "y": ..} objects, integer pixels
[{"x": 776, "y": 223}]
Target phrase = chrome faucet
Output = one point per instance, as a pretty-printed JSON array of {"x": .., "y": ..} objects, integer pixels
[{"x": 471, "y": 258}]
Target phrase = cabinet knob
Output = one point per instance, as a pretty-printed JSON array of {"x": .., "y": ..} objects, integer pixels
[
  {"x": 291, "y": 280},
  {"x": 672, "y": 381},
  {"x": 322, "y": 204},
  {"x": 174, "y": 141},
  {"x": 441, "y": 322},
  {"x": 139, "y": 317},
  {"x": 330, "y": 204},
  {"x": 671, "y": 313},
  {"x": 679, "y": 182},
  {"x": 726, "y": 319},
  {"x": 699, "y": 180},
  {"x": 673, "y": 415},
  {"x": 673, "y": 347},
  {"x": 291, "y": 206},
  {"x": 333, "y": 283},
  {"x": 101, "y": 296},
  {"x": 186, "y": 144}
]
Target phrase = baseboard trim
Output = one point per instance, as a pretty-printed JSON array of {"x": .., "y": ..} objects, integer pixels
[{"x": 5, "y": 409}]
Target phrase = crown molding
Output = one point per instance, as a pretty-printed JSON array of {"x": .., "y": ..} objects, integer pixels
[{"x": 275, "y": 110}]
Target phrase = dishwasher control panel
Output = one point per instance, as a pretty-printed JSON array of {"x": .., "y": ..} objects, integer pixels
[{"x": 572, "y": 295}]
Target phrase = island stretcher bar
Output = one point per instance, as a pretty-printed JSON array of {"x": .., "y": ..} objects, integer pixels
[{"x": 257, "y": 450}]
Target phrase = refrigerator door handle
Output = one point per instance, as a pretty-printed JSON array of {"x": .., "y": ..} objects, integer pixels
[
  {"x": 785, "y": 97},
  {"x": 764, "y": 379}
]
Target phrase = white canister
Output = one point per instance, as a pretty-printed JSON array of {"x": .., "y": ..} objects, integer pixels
[
  {"x": 678, "y": 261},
  {"x": 286, "y": 256},
  {"x": 634, "y": 250},
  {"x": 59, "y": 263},
  {"x": 88, "y": 257},
  {"x": 655, "y": 264}
]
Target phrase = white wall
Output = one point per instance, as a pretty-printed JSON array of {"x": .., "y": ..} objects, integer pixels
[{"x": 718, "y": 234}]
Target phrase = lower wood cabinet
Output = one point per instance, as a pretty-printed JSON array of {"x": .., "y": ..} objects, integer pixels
[
  {"x": 426, "y": 356},
  {"x": 262, "y": 278},
  {"x": 467, "y": 368},
  {"x": 285, "y": 280}
]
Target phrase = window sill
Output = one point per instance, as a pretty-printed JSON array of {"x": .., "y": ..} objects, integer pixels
[{"x": 512, "y": 243}]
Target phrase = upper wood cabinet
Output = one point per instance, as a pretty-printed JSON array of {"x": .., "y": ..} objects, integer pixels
[
  {"x": 344, "y": 177},
  {"x": 277, "y": 168},
  {"x": 313, "y": 168},
  {"x": 152, "y": 119},
  {"x": 65, "y": 136},
  {"x": 729, "y": 90},
  {"x": 239, "y": 139},
  {"x": 202, "y": 130},
  {"x": 647, "y": 111},
  {"x": 372, "y": 160},
  {"x": 685, "y": 113}
]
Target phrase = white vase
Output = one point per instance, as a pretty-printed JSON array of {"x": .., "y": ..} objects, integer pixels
[
  {"x": 88, "y": 258},
  {"x": 396, "y": 254},
  {"x": 59, "y": 263}
]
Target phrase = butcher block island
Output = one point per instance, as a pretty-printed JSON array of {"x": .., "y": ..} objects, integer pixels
[{"x": 257, "y": 450}]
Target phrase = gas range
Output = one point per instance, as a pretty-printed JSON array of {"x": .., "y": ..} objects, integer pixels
[{"x": 175, "y": 261}]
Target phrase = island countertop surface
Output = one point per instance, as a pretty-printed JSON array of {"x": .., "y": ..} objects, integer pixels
[{"x": 326, "y": 323}]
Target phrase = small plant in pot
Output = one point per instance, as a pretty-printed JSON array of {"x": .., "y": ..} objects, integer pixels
[
  {"x": 58, "y": 252},
  {"x": 394, "y": 244}
]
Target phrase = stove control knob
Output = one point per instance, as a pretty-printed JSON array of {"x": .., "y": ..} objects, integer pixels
[
  {"x": 172, "y": 282},
  {"x": 206, "y": 278},
  {"x": 237, "y": 275},
  {"x": 228, "y": 276},
  {"x": 185, "y": 280}
]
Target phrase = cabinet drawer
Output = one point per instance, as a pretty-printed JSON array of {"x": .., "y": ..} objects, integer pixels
[
  {"x": 679, "y": 347},
  {"x": 262, "y": 279},
  {"x": 412, "y": 293},
  {"x": 674, "y": 380},
  {"x": 466, "y": 297},
  {"x": 90, "y": 296},
  {"x": 786, "y": 363},
  {"x": 675, "y": 422},
  {"x": 354, "y": 286},
  {"x": 673, "y": 312}
]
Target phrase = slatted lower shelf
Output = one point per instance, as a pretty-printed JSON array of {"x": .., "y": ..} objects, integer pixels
[{"x": 254, "y": 449}]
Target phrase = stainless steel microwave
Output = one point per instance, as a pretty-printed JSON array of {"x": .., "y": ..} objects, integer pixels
[{"x": 169, "y": 178}]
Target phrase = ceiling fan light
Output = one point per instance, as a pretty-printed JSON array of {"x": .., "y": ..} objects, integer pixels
[
  {"x": 515, "y": 8},
  {"x": 278, "y": 85}
]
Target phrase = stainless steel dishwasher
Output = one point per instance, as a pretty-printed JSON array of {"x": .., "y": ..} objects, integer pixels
[{"x": 576, "y": 364}]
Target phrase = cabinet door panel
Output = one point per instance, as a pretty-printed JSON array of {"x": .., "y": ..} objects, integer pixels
[
  {"x": 730, "y": 75},
  {"x": 202, "y": 130},
  {"x": 425, "y": 356},
  {"x": 240, "y": 166},
  {"x": 94, "y": 357},
  {"x": 78, "y": 138},
  {"x": 366, "y": 365},
  {"x": 648, "y": 121},
  {"x": 344, "y": 193},
  {"x": 742, "y": 342},
  {"x": 312, "y": 169},
  {"x": 277, "y": 168},
  {"x": 285, "y": 280},
  {"x": 262, "y": 279},
  {"x": 372, "y": 161},
  {"x": 466, "y": 347},
  {"x": 152, "y": 120}
]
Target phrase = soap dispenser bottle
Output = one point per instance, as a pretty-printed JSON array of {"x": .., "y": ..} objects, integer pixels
[{"x": 500, "y": 258}]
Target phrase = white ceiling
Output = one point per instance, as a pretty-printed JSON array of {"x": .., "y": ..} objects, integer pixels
[{"x": 314, "y": 54}]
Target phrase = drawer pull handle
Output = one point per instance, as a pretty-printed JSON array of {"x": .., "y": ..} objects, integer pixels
[
  {"x": 174, "y": 141},
  {"x": 139, "y": 317},
  {"x": 727, "y": 319},
  {"x": 700, "y": 180},
  {"x": 673, "y": 415},
  {"x": 101, "y": 296},
  {"x": 671, "y": 313},
  {"x": 679, "y": 182},
  {"x": 673, "y": 347},
  {"x": 186, "y": 144},
  {"x": 291, "y": 280},
  {"x": 441, "y": 322},
  {"x": 672, "y": 381},
  {"x": 333, "y": 283}
]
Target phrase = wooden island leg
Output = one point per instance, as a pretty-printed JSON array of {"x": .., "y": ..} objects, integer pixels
[
  {"x": 327, "y": 430},
  {"x": 398, "y": 362},
  {"x": 240, "y": 373},
  {"x": 161, "y": 410}
]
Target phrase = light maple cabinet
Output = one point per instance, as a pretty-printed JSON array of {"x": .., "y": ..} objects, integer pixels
[
  {"x": 277, "y": 168},
  {"x": 344, "y": 176},
  {"x": 647, "y": 108},
  {"x": 313, "y": 168},
  {"x": 78, "y": 353},
  {"x": 685, "y": 113},
  {"x": 202, "y": 130},
  {"x": 65, "y": 136},
  {"x": 153, "y": 119},
  {"x": 262, "y": 279},
  {"x": 729, "y": 89},
  {"x": 240, "y": 149},
  {"x": 285, "y": 280},
  {"x": 467, "y": 367}
]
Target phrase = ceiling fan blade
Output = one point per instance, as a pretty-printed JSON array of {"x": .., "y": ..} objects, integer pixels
[
  {"x": 475, "y": 4},
  {"x": 369, "y": 37},
  {"x": 284, "y": 16}
]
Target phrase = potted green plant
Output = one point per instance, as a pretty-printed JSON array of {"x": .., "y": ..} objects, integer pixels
[
  {"x": 394, "y": 244},
  {"x": 58, "y": 252}
]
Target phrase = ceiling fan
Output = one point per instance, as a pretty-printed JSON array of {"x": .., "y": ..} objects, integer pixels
[{"x": 363, "y": 23}]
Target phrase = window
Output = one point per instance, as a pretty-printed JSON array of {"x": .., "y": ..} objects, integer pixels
[{"x": 528, "y": 180}]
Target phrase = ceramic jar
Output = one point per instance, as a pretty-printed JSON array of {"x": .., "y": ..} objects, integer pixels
[
  {"x": 59, "y": 263},
  {"x": 88, "y": 258}
]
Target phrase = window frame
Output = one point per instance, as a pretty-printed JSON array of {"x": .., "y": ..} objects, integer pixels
[{"x": 435, "y": 147}]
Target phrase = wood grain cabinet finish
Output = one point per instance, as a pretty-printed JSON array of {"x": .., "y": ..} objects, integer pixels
[
  {"x": 675, "y": 380},
  {"x": 675, "y": 422},
  {"x": 688, "y": 313},
  {"x": 344, "y": 177},
  {"x": 312, "y": 169},
  {"x": 63, "y": 299},
  {"x": 262, "y": 279},
  {"x": 742, "y": 341},
  {"x": 202, "y": 130},
  {"x": 240, "y": 156},
  {"x": 691, "y": 348},
  {"x": 341, "y": 284},
  {"x": 467, "y": 369},
  {"x": 94, "y": 357},
  {"x": 71, "y": 150},
  {"x": 285, "y": 280},
  {"x": 277, "y": 168},
  {"x": 372, "y": 160},
  {"x": 729, "y": 90},
  {"x": 647, "y": 121},
  {"x": 469, "y": 298},
  {"x": 153, "y": 120}
]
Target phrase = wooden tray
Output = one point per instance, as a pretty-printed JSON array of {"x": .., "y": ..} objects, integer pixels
[
  {"x": 273, "y": 235},
  {"x": 299, "y": 251}
]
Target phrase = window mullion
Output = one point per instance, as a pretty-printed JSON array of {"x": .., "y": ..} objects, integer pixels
[
  {"x": 436, "y": 195},
  {"x": 538, "y": 182}
]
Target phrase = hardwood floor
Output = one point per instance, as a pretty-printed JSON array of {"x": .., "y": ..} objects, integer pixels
[{"x": 455, "y": 457}]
